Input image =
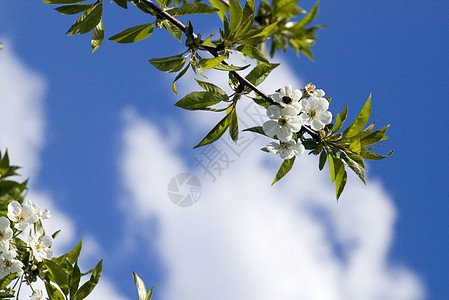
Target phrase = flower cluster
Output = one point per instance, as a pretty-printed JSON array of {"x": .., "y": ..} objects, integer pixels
[
  {"x": 295, "y": 109},
  {"x": 38, "y": 246}
]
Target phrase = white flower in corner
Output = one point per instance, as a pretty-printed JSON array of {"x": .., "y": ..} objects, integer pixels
[
  {"x": 286, "y": 150},
  {"x": 5, "y": 234},
  {"x": 22, "y": 215},
  {"x": 284, "y": 121},
  {"x": 314, "y": 112},
  {"x": 40, "y": 246},
  {"x": 9, "y": 265},
  {"x": 287, "y": 96}
]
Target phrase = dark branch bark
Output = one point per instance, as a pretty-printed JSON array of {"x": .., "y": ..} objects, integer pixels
[{"x": 242, "y": 80}]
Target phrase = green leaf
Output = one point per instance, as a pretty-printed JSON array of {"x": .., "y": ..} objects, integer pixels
[
  {"x": 75, "y": 253},
  {"x": 229, "y": 68},
  {"x": 220, "y": 6},
  {"x": 374, "y": 137},
  {"x": 88, "y": 287},
  {"x": 5, "y": 281},
  {"x": 210, "y": 87},
  {"x": 360, "y": 121},
  {"x": 340, "y": 119},
  {"x": 59, "y": 275},
  {"x": 199, "y": 100},
  {"x": 53, "y": 292},
  {"x": 309, "y": 17},
  {"x": 73, "y": 9},
  {"x": 134, "y": 34},
  {"x": 235, "y": 14},
  {"x": 4, "y": 165},
  {"x": 4, "y": 295},
  {"x": 331, "y": 168},
  {"x": 256, "y": 129},
  {"x": 180, "y": 74},
  {"x": 262, "y": 32},
  {"x": 216, "y": 132},
  {"x": 74, "y": 279},
  {"x": 150, "y": 293},
  {"x": 284, "y": 169},
  {"x": 87, "y": 21},
  {"x": 323, "y": 157},
  {"x": 97, "y": 36},
  {"x": 169, "y": 64},
  {"x": 340, "y": 179},
  {"x": 121, "y": 3},
  {"x": 260, "y": 73},
  {"x": 174, "y": 31},
  {"x": 354, "y": 165},
  {"x": 234, "y": 126},
  {"x": 373, "y": 156},
  {"x": 209, "y": 63},
  {"x": 141, "y": 289},
  {"x": 247, "y": 21},
  {"x": 62, "y": 1},
  {"x": 253, "y": 52},
  {"x": 285, "y": 8},
  {"x": 355, "y": 146},
  {"x": 192, "y": 8}
]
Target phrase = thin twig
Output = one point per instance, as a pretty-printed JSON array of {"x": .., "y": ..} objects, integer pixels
[{"x": 242, "y": 80}]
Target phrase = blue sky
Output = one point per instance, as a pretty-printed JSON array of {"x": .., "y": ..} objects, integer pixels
[{"x": 100, "y": 138}]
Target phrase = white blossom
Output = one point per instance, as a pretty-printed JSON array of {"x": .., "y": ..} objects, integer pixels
[
  {"x": 41, "y": 213},
  {"x": 22, "y": 215},
  {"x": 287, "y": 96},
  {"x": 5, "y": 234},
  {"x": 40, "y": 246},
  {"x": 314, "y": 112},
  {"x": 37, "y": 295},
  {"x": 311, "y": 91},
  {"x": 286, "y": 150},
  {"x": 9, "y": 265},
  {"x": 284, "y": 121}
]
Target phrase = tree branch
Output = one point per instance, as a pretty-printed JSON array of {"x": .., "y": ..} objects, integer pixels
[{"x": 242, "y": 80}]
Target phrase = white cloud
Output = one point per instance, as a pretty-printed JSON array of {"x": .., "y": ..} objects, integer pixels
[
  {"x": 22, "y": 124},
  {"x": 247, "y": 240}
]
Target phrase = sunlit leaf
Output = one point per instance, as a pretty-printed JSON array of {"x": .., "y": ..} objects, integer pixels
[
  {"x": 134, "y": 34},
  {"x": 360, "y": 121},
  {"x": 97, "y": 36},
  {"x": 260, "y": 73},
  {"x": 141, "y": 289},
  {"x": 62, "y": 1},
  {"x": 235, "y": 14},
  {"x": 199, "y": 100},
  {"x": 234, "y": 126},
  {"x": 73, "y": 9},
  {"x": 284, "y": 169},
  {"x": 192, "y": 8},
  {"x": 87, "y": 21},
  {"x": 216, "y": 132},
  {"x": 253, "y": 52},
  {"x": 169, "y": 64},
  {"x": 209, "y": 63},
  {"x": 59, "y": 275},
  {"x": 310, "y": 16},
  {"x": 210, "y": 87}
]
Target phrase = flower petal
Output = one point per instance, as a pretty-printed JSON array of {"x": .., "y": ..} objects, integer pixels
[
  {"x": 325, "y": 117},
  {"x": 273, "y": 112},
  {"x": 270, "y": 127},
  {"x": 323, "y": 104},
  {"x": 317, "y": 125},
  {"x": 297, "y": 94},
  {"x": 273, "y": 147},
  {"x": 289, "y": 111},
  {"x": 284, "y": 134}
]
